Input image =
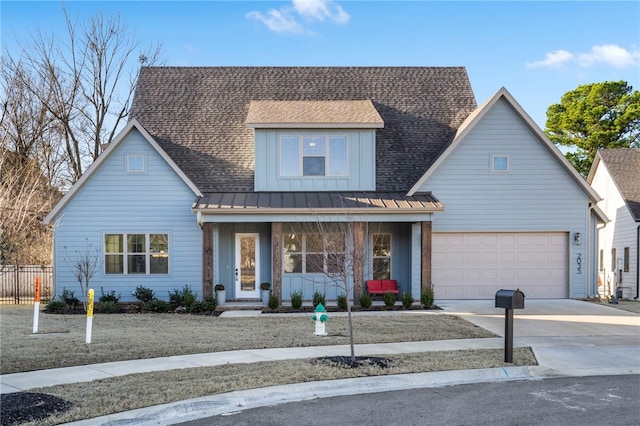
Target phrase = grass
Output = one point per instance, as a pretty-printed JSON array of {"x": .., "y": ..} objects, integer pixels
[
  {"x": 625, "y": 305},
  {"x": 60, "y": 342}
]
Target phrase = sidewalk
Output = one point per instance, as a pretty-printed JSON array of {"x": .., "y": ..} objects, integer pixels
[{"x": 580, "y": 340}]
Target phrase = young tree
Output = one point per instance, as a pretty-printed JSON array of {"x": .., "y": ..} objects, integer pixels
[
  {"x": 84, "y": 264},
  {"x": 592, "y": 117},
  {"x": 335, "y": 249}
]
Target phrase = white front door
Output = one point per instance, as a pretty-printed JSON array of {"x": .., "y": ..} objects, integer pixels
[{"x": 247, "y": 266}]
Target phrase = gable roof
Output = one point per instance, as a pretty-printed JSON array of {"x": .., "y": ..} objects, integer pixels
[
  {"x": 313, "y": 114},
  {"x": 623, "y": 165},
  {"x": 476, "y": 116},
  {"x": 131, "y": 125},
  {"x": 198, "y": 115}
]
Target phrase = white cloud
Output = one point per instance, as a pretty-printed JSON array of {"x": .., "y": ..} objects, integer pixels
[
  {"x": 553, "y": 59},
  {"x": 278, "y": 21},
  {"x": 284, "y": 20},
  {"x": 319, "y": 10},
  {"x": 610, "y": 54}
]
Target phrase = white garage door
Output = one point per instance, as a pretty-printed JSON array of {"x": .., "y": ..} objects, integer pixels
[{"x": 476, "y": 265}]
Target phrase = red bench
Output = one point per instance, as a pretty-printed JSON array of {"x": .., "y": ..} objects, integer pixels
[{"x": 382, "y": 286}]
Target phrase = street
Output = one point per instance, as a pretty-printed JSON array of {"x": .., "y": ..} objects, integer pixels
[{"x": 581, "y": 401}]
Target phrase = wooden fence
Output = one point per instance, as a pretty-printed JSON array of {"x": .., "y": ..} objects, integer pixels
[{"x": 18, "y": 283}]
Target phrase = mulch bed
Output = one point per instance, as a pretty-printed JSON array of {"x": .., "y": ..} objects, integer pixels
[
  {"x": 22, "y": 407},
  {"x": 360, "y": 361}
]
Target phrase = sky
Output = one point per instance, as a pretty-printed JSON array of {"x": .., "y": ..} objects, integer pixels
[{"x": 537, "y": 50}]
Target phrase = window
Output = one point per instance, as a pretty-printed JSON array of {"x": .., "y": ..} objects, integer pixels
[
  {"x": 136, "y": 163},
  {"x": 613, "y": 259},
  {"x": 313, "y": 156},
  {"x": 381, "y": 256},
  {"x": 499, "y": 163},
  {"x": 136, "y": 254},
  {"x": 601, "y": 262},
  {"x": 626, "y": 259},
  {"x": 314, "y": 253}
]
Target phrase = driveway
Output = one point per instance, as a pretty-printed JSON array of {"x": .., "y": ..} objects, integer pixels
[{"x": 548, "y": 318}]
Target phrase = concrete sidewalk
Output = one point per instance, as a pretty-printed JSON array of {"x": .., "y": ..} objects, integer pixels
[{"x": 568, "y": 338}]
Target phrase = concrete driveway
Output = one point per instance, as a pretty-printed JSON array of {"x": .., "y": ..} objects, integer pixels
[{"x": 548, "y": 318}]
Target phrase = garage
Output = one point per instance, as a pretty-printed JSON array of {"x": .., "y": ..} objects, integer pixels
[{"x": 476, "y": 265}]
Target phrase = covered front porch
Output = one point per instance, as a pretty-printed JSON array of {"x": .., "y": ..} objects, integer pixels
[{"x": 330, "y": 249}]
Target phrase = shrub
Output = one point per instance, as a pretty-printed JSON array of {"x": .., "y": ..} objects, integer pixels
[
  {"x": 109, "y": 297},
  {"x": 144, "y": 294},
  {"x": 156, "y": 305},
  {"x": 342, "y": 302},
  {"x": 69, "y": 298},
  {"x": 185, "y": 297},
  {"x": 389, "y": 299},
  {"x": 407, "y": 300},
  {"x": 427, "y": 298},
  {"x": 207, "y": 305},
  {"x": 365, "y": 300},
  {"x": 55, "y": 306},
  {"x": 318, "y": 298},
  {"x": 274, "y": 302},
  {"x": 296, "y": 299},
  {"x": 107, "y": 307}
]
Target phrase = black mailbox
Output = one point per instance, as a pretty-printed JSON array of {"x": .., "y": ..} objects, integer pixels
[{"x": 510, "y": 299}]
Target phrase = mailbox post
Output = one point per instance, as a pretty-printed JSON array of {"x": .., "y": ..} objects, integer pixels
[{"x": 509, "y": 300}]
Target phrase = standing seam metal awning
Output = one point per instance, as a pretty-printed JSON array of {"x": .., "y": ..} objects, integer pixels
[{"x": 272, "y": 202}]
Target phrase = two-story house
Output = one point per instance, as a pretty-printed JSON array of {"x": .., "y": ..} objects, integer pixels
[{"x": 243, "y": 175}]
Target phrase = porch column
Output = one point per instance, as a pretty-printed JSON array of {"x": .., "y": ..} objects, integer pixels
[
  {"x": 276, "y": 251},
  {"x": 358, "y": 260},
  {"x": 207, "y": 259},
  {"x": 425, "y": 274}
]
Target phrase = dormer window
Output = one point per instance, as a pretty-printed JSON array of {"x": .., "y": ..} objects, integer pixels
[{"x": 313, "y": 155}]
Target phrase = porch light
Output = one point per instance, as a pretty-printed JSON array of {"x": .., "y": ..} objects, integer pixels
[{"x": 577, "y": 238}]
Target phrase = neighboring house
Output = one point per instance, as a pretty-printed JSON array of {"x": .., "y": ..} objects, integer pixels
[
  {"x": 615, "y": 174},
  {"x": 222, "y": 173}
]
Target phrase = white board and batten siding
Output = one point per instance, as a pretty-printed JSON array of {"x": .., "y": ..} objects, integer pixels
[
  {"x": 112, "y": 201},
  {"x": 507, "y": 230}
]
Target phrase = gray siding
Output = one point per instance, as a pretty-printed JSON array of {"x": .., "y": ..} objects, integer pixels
[
  {"x": 113, "y": 201},
  {"x": 536, "y": 194},
  {"x": 361, "y": 163}
]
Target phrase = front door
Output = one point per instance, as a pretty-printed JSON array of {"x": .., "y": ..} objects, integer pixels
[{"x": 247, "y": 266}]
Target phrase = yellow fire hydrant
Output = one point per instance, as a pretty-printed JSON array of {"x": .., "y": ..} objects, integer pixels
[{"x": 320, "y": 317}]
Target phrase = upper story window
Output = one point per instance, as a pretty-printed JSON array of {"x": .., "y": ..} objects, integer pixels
[
  {"x": 500, "y": 163},
  {"x": 317, "y": 155},
  {"x": 136, "y": 163}
]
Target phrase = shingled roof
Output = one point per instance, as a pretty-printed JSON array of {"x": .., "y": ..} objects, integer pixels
[
  {"x": 624, "y": 166},
  {"x": 198, "y": 115}
]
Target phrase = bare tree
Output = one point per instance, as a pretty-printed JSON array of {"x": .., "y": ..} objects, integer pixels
[
  {"x": 84, "y": 264},
  {"x": 91, "y": 77},
  {"x": 27, "y": 193},
  {"x": 336, "y": 249}
]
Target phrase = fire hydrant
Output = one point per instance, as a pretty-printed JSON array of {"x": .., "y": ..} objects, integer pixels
[{"x": 320, "y": 317}]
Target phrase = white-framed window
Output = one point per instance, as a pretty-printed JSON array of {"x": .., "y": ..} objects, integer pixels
[
  {"x": 313, "y": 155},
  {"x": 500, "y": 163},
  {"x": 136, "y": 253},
  {"x": 381, "y": 256},
  {"x": 310, "y": 253},
  {"x": 136, "y": 163}
]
